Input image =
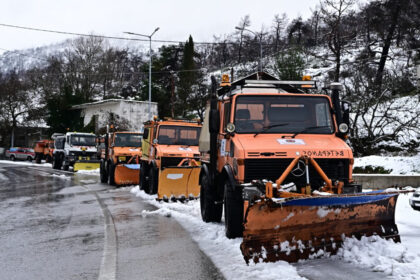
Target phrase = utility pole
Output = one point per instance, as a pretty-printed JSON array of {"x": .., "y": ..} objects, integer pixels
[
  {"x": 150, "y": 65},
  {"x": 259, "y": 35}
]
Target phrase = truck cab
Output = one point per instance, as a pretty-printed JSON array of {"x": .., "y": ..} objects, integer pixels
[
  {"x": 120, "y": 152},
  {"x": 77, "y": 150},
  {"x": 262, "y": 129},
  {"x": 167, "y": 144}
]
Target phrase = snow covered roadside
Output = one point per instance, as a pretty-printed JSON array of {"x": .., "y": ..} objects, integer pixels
[
  {"x": 224, "y": 253},
  {"x": 26, "y": 163},
  {"x": 399, "y": 261},
  {"x": 90, "y": 172},
  {"x": 398, "y": 164}
]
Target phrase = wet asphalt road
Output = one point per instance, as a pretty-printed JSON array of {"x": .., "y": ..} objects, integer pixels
[{"x": 57, "y": 225}]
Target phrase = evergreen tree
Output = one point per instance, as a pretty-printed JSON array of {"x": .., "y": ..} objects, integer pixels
[
  {"x": 187, "y": 76},
  {"x": 289, "y": 65}
]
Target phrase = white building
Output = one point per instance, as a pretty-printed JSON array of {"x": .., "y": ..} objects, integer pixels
[{"x": 136, "y": 112}]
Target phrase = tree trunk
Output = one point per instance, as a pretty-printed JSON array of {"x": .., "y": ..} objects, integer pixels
[{"x": 387, "y": 45}]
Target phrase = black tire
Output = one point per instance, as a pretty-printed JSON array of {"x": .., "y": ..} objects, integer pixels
[
  {"x": 416, "y": 208},
  {"x": 143, "y": 182},
  {"x": 111, "y": 173},
  {"x": 153, "y": 181},
  {"x": 234, "y": 210},
  {"x": 66, "y": 167},
  {"x": 210, "y": 211},
  {"x": 48, "y": 159},
  {"x": 104, "y": 174},
  {"x": 54, "y": 162},
  {"x": 12, "y": 158},
  {"x": 38, "y": 158}
]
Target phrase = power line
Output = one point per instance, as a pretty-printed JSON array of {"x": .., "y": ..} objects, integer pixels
[{"x": 104, "y": 36}]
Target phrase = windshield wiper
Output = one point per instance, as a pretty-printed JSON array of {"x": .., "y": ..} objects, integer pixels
[
  {"x": 309, "y": 129},
  {"x": 265, "y": 128}
]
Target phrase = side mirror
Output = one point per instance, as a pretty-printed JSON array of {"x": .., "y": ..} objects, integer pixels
[{"x": 346, "y": 107}]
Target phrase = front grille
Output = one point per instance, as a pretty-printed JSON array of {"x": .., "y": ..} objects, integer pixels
[
  {"x": 170, "y": 161},
  {"x": 271, "y": 169}
]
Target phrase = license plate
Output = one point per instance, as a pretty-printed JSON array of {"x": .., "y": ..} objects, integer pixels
[{"x": 121, "y": 158}]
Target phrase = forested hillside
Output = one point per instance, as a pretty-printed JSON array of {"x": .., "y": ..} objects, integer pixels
[{"x": 372, "y": 48}]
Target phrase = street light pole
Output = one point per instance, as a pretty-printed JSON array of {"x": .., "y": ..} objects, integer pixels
[
  {"x": 261, "y": 49},
  {"x": 150, "y": 66}
]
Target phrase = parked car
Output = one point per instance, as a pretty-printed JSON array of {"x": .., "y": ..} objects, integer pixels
[
  {"x": 415, "y": 200},
  {"x": 20, "y": 154}
]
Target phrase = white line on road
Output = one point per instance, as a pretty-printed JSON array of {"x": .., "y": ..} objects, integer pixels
[{"x": 108, "y": 267}]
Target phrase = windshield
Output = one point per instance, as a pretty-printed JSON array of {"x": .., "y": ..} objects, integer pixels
[
  {"x": 283, "y": 114},
  {"x": 83, "y": 140},
  {"x": 127, "y": 140},
  {"x": 178, "y": 135}
]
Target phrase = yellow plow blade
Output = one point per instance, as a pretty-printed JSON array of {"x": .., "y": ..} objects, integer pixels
[
  {"x": 179, "y": 182},
  {"x": 85, "y": 166},
  {"x": 127, "y": 174}
]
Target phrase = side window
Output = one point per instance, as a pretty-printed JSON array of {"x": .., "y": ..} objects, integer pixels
[
  {"x": 146, "y": 134},
  {"x": 68, "y": 139},
  {"x": 226, "y": 115}
]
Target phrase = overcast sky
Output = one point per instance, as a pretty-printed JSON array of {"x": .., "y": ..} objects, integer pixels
[{"x": 176, "y": 18}]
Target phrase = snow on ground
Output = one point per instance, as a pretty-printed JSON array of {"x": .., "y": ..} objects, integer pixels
[
  {"x": 398, "y": 260},
  {"x": 224, "y": 253},
  {"x": 91, "y": 172},
  {"x": 398, "y": 164},
  {"x": 27, "y": 163}
]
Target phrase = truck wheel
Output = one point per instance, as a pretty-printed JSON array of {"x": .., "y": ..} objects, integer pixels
[
  {"x": 37, "y": 158},
  {"x": 210, "y": 211},
  {"x": 12, "y": 158},
  {"x": 66, "y": 167},
  {"x": 153, "y": 181},
  {"x": 111, "y": 174},
  {"x": 104, "y": 175},
  {"x": 143, "y": 182},
  {"x": 54, "y": 162},
  {"x": 234, "y": 211}
]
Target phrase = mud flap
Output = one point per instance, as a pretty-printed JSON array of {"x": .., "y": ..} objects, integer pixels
[
  {"x": 127, "y": 174},
  {"x": 86, "y": 166},
  {"x": 179, "y": 182},
  {"x": 297, "y": 229}
]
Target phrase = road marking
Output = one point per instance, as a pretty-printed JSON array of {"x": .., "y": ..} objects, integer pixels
[{"x": 108, "y": 267}]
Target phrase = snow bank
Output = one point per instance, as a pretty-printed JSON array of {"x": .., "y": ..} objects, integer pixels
[
  {"x": 398, "y": 260},
  {"x": 26, "y": 163},
  {"x": 224, "y": 253},
  {"x": 91, "y": 172},
  {"x": 398, "y": 164}
]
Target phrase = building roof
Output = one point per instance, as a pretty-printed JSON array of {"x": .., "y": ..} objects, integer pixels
[{"x": 107, "y": 101}]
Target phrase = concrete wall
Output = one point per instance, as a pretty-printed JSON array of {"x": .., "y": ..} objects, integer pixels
[
  {"x": 383, "y": 181},
  {"x": 136, "y": 112}
]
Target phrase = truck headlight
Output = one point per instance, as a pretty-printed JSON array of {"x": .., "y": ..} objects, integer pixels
[{"x": 343, "y": 128}]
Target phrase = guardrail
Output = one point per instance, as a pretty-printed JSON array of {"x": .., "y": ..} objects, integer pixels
[{"x": 383, "y": 181}]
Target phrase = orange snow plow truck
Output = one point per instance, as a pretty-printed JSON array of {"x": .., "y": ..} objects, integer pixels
[
  {"x": 169, "y": 163},
  {"x": 120, "y": 154},
  {"x": 43, "y": 150},
  {"x": 274, "y": 156}
]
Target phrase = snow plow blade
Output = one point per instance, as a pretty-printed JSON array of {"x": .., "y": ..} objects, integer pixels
[
  {"x": 86, "y": 166},
  {"x": 179, "y": 183},
  {"x": 294, "y": 229},
  {"x": 127, "y": 174}
]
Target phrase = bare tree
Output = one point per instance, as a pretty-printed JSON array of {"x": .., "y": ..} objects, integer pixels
[
  {"x": 279, "y": 24},
  {"x": 243, "y": 24},
  {"x": 332, "y": 13}
]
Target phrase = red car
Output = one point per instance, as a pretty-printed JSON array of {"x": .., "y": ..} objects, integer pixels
[{"x": 20, "y": 153}]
